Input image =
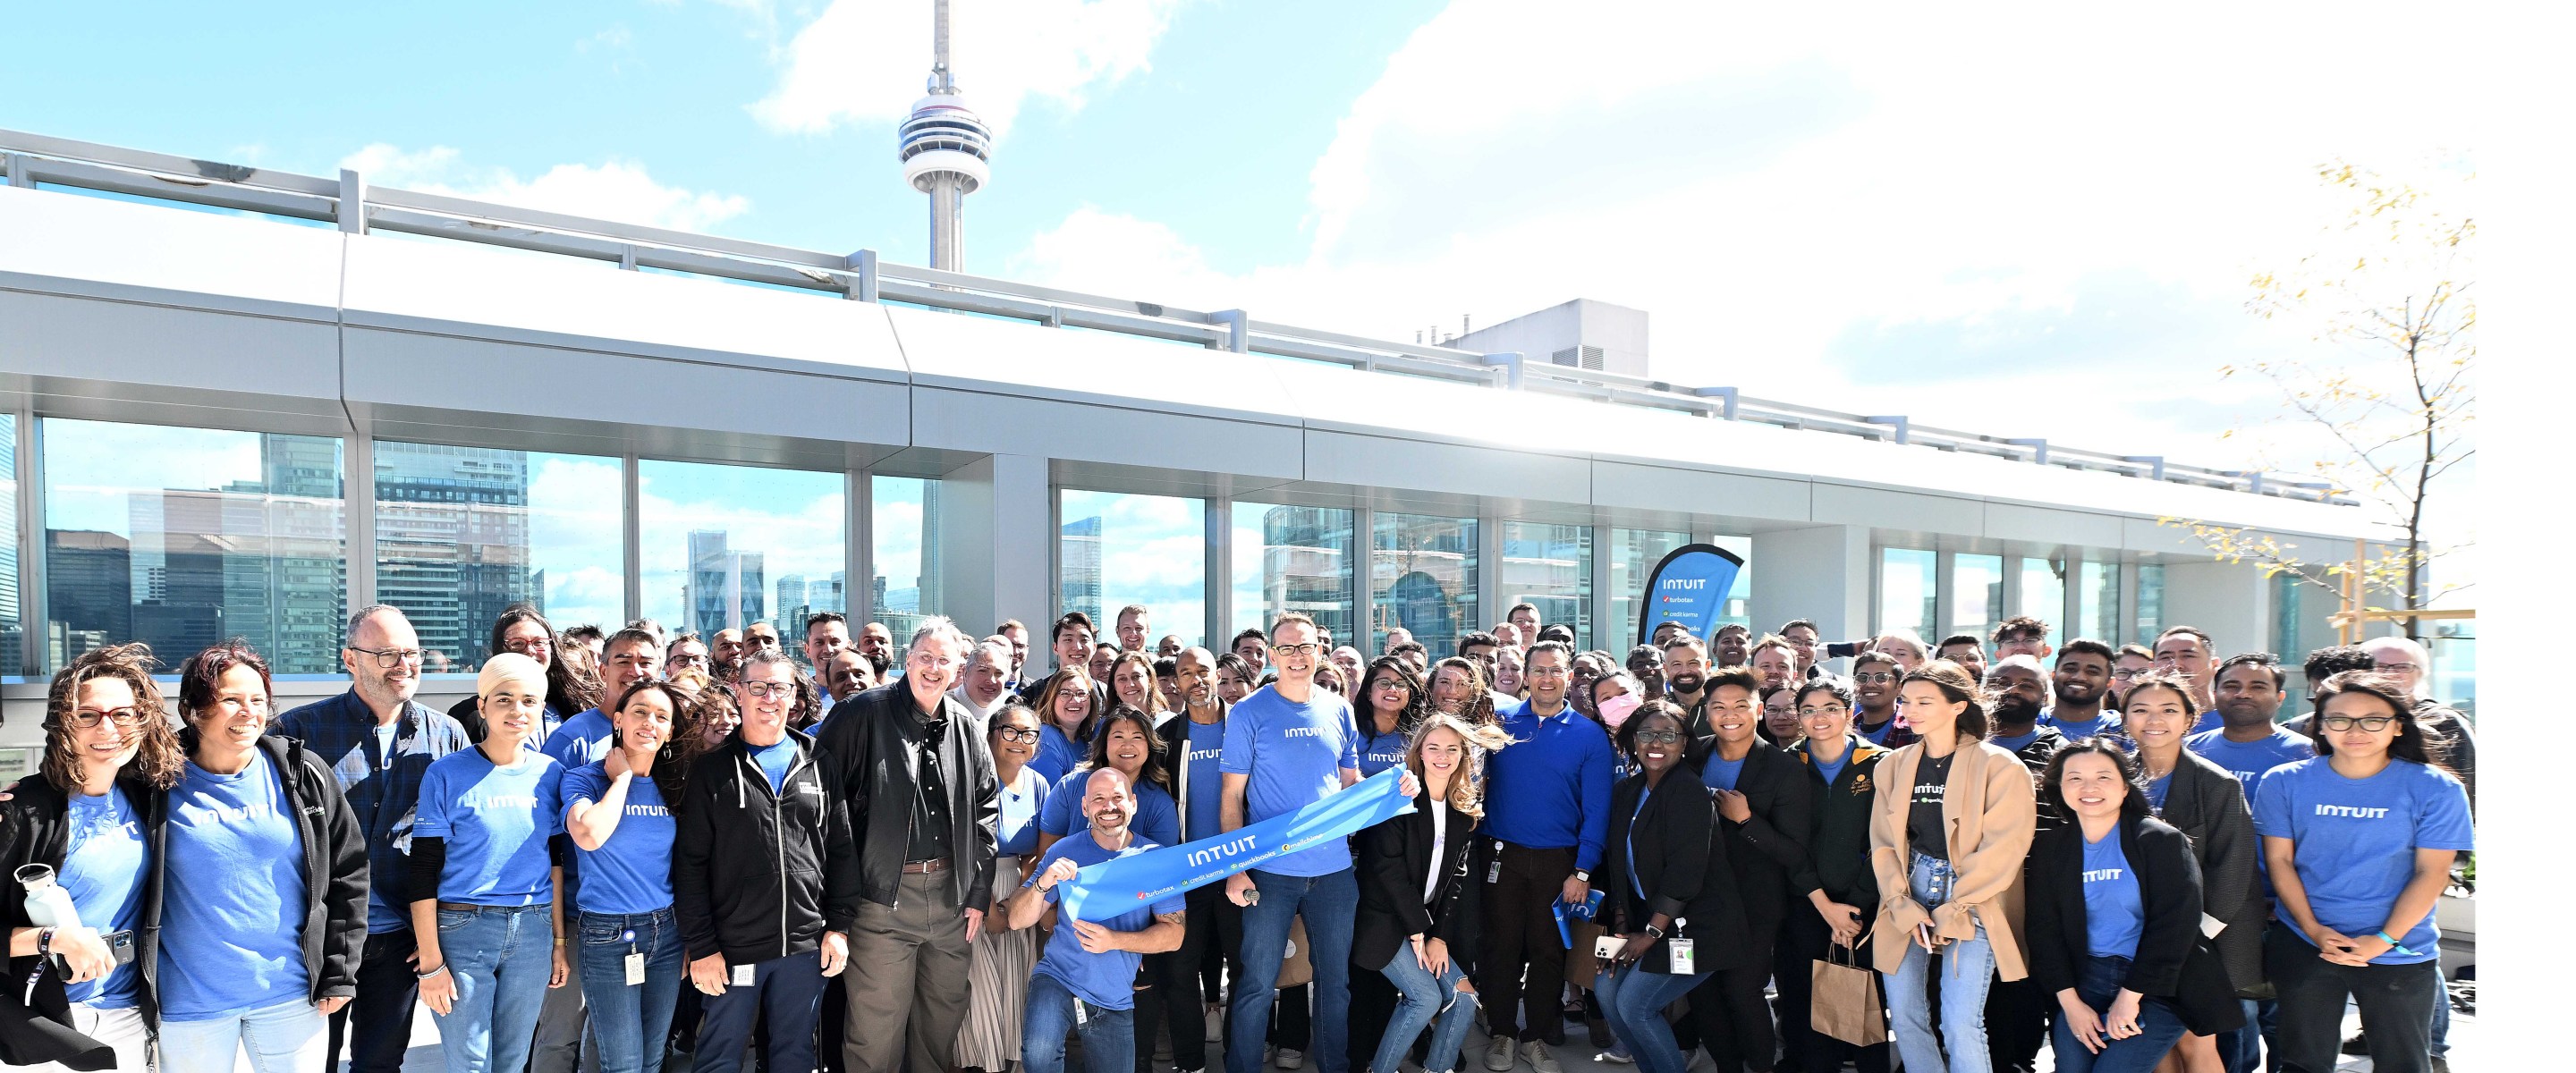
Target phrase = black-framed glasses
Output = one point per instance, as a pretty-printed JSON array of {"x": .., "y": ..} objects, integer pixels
[
  {"x": 688, "y": 661},
  {"x": 126, "y": 718},
  {"x": 2371, "y": 723},
  {"x": 1307, "y": 649},
  {"x": 766, "y": 690},
  {"x": 1659, "y": 737},
  {"x": 1016, "y": 734},
  {"x": 525, "y": 645},
  {"x": 390, "y": 658}
]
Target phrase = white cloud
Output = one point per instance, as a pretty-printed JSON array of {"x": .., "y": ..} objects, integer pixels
[
  {"x": 614, "y": 189},
  {"x": 2036, "y": 221},
  {"x": 866, "y": 61}
]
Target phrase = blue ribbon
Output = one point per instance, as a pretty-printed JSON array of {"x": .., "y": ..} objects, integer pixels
[{"x": 1112, "y": 887}]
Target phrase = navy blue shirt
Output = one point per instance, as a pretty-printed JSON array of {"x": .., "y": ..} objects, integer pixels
[
  {"x": 1551, "y": 786},
  {"x": 384, "y": 791}
]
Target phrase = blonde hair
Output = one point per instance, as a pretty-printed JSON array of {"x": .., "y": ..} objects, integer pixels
[{"x": 1467, "y": 787}]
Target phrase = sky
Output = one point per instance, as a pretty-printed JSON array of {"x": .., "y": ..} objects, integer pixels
[{"x": 2026, "y": 220}]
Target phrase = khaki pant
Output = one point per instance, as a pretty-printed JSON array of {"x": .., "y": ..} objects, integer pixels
[{"x": 907, "y": 981}]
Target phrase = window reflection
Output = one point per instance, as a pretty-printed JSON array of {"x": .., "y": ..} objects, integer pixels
[
  {"x": 903, "y": 526},
  {"x": 726, "y": 546},
  {"x": 1422, "y": 577},
  {"x": 2043, "y": 595},
  {"x": 1117, "y": 550},
  {"x": 181, "y": 537},
  {"x": 464, "y": 532},
  {"x": 1550, "y": 566},
  {"x": 2151, "y": 604},
  {"x": 13, "y": 624},
  {"x": 2098, "y": 603},
  {"x": 1907, "y": 583},
  {"x": 1292, "y": 559},
  {"x": 1976, "y": 595},
  {"x": 1633, "y": 555}
]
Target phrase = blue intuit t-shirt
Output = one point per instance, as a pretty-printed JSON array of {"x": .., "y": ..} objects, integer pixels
[
  {"x": 1293, "y": 755},
  {"x": 496, "y": 821},
  {"x": 235, "y": 942},
  {"x": 2356, "y": 839},
  {"x": 774, "y": 760},
  {"x": 1206, "y": 806},
  {"x": 1057, "y": 753},
  {"x": 103, "y": 872},
  {"x": 1156, "y": 820},
  {"x": 1721, "y": 774},
  {"x": 631, "y": 872},
  {"x": 1105, "y": 981},
  {"x": 582, "y": 739},
  {"x": 2114, "y": 914},
  {"x": 2248, "y": 760},
  {"x": 1379, "y": 752},
  {"x": 1022, "y": 800},
  {"x": 2081, "y": 731}
]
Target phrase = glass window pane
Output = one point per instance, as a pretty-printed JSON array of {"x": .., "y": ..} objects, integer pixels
[
  {"x": 1422, "y": 577},
  {"x": 2100, "y": 603},
  {"x": 1738, "y": 609},
  {"x": 1976, "y": 595},
  {"x": 1907, "y": 580},
  {"x": 1550, "y": 566},
  {"x": 2043, "y": 595},
  {"x": 903, "y": 525},
  {"x": 1135, "y": 549},
  {"x": 1633, "y": 555},
  {"x": 1292, "y": 559},
  {"x": 2151, "y": 604},
  {"x": 181, "y": 537},
  {"x": 13, "y": 626},
  {"x": 463, "y": 532},
  {"x": 717, "y": 539}
]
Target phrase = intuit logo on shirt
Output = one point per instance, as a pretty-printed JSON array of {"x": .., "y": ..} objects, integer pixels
[
  {"x": 2352, "y": 812},
  {"x": 499, "y": 801},
  {"x": 633, "y": 809},
  {"x": 2101, "y": 875},
  {"x": 1212, "y": 752},
  {"x": 1302, "y": 732}
]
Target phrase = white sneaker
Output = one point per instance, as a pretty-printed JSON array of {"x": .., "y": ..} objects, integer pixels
[
  {"x": 1539, "y": 1057},
  {"x": 1498, "y": 1055},
  {"x": 1291, "y": 1059}
]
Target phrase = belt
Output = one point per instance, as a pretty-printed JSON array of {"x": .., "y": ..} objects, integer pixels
[
  {"x": 923, "y": 868},
  {"x": 469, "y": 907}
]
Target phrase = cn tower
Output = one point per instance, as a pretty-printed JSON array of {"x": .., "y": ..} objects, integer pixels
[{"x": 944, "y": 152}]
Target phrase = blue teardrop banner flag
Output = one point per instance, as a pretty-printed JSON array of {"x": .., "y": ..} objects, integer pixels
[
  {"x": 1112, "y": 887},
  {"x": 1689, "y": 587}
]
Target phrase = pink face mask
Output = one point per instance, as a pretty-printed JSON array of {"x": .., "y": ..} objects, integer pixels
[{"x": 1617, "y": 709}]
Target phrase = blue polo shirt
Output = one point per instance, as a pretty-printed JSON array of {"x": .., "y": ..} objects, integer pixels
[
  {"x": 1292, "y": 755},
  {"x": 1107, "y": 980},
  {"x": 1551, "y": 786},
  {"x": 2356, "y": 839}
]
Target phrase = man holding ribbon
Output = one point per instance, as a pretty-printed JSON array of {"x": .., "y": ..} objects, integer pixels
[{"x": 1085, "y": 980}]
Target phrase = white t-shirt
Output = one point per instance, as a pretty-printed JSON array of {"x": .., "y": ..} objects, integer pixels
[{"x": 1439, "y": 841}]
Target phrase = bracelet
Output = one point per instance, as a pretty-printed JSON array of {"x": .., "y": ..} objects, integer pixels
[
  {"x": 2394, "y": 944},
  {"x": 442, "y": 967},
  {"x": 44, "y": 942}
]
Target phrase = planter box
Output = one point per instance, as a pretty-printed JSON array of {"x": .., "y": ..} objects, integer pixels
[{"x": 2458, "y": 918}]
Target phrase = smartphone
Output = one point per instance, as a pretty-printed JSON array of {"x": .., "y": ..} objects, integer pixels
[{"x": 1607, "y": 947}]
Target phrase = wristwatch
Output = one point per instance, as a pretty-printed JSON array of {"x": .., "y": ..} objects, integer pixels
[{"x": 1584, "y": 876}]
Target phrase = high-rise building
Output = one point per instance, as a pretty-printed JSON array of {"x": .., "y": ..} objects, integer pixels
[
  {"x": 92, "y": 590},
  {"x": 724, "y": 589},
  {"x": 945, "y": 150},
  {"x": 453, "y": 542},
  {"x": 792, "y": 606},
  {"x": 1080, "y": 590},
  {"x": 1304, "y": 566}
]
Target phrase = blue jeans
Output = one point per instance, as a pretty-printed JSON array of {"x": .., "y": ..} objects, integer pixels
[
  {"x": 1108, "y": 1036},
  {"x": 1967, "y": 967},
  {"x": 2097, "y": 982},
  {"x": 502, "y": 958},
  {"x": 1633, "y": 1001},
  {"x": 785, "y": 992},
  {"x": 283, "y": 1038},
  {"x": 624, "y": 1017},
  {"x": 1420, "y": 999},
  {"x": 1329, "y": 903}
]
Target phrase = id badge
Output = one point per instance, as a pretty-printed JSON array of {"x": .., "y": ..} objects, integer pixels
[
  {"x": 1081, "y": 1016},
  {"x": 1606, "y": 948},
  {"x": 1681, "y": 951},
  {"x": 742, "y": 976},
  {"x": 634, "y": 970},
  {"x": 1494, "y": 872}
]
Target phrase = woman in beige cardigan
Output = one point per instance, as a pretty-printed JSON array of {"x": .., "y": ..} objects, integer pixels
[{"x": 1953, "y": 824}]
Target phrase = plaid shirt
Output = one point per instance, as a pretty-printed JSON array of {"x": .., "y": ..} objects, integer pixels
[{"x": 383, "y": 791}]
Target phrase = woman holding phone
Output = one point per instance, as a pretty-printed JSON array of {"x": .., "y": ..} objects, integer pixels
[{"x": 1954, "y": 820}]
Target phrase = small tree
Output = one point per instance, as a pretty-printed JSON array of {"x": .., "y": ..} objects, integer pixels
[{"x": 2393, "y": 395}]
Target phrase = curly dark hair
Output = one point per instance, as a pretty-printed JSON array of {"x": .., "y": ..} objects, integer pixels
[
  {"x": 1416, "y": 698},
  {"x": 157, "y": 757}
]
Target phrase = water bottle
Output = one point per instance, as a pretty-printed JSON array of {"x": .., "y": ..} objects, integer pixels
[{"x": 48, "y": 904}]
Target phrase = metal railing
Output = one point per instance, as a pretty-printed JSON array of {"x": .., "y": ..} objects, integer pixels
[{"x": 37, "y": 161}]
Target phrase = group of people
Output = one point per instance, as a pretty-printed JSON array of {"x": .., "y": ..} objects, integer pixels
[{"x": 630, "y": 845}]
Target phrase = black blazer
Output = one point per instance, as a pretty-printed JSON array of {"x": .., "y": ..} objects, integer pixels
[
  {"x": 2206, "y": 803},
  {"x": 1395, "y": 863},
  {"x": 35, "y": 828},
  {"x": 2174, "y": 961},
  {"x": 1682, "y": 857},
  {"x": 1771, "y": 847}
]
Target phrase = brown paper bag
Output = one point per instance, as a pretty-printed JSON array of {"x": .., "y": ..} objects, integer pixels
[
  {"x": 1847, "y": 1005},
  {"x": 1580, "y": 965},
  {"x": 1297, "y": 969}
]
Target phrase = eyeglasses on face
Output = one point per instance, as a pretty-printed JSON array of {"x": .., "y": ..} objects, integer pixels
[
  {"x": 1820, "y": 711},
  {"x": 126, "y": 718},
  {"x": 766, "y": 690},
  {"x": 1873, "y": 679},
  {"x": 691, "y": 660},
  {"x": 2398, "y": 668},
  {"x": 390, "y": 658},
  {"x": 1307, "y": 649},
  {"x": 2371, "y": 723},
  {"x": 1658, "y": 737},
  {"x": 1017, "y": 734},
  {"x": 2127, "y": 674},
  {"x": 524, "y": 645}
]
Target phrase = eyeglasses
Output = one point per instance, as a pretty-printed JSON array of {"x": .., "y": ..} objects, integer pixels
[
  {"x": 688, "y": 661},
  {"x": 126, "y": 718},
  {"x": 2398, "y": 668},
  {"x": 1389, "y": 685},
  {"x": 1873, "y": 679},
  {"x": 2371, "y": 723},
  {"x": 1659, "y": 737},
  {"x": 390, "y": 658},
  {"x": 1307, "y": 649},
  {"x": 525, "y": 645},
  {"x": 766, "y": 690},
  {"x": 1821, "y": 712},
  {"x": 2126, "y": 674},
  {"x": 1012, "y": 734}
]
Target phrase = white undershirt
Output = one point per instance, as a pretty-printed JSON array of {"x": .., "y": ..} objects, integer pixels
[{"x": 1439, "y": 840}]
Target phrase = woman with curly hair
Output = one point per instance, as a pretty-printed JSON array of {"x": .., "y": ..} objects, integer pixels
[
  {"x": 92, "y": 817},
  {"x": 1458, "y": 687},
  {"x": 628, "y": 938},
  {"x": 1954, "y": 820}
]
